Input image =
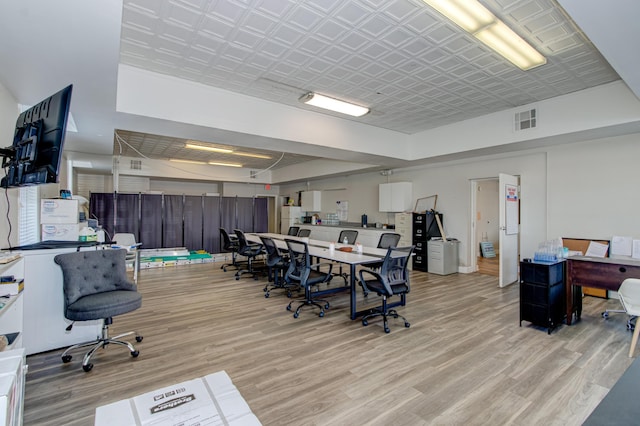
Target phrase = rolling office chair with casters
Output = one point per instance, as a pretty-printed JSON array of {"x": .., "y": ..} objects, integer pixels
[
  {"x": 307, "y": 275},
  {"x": 293, "y": 230},
  {"x": 388, "y": 239},
  {"x": 248, "y": 250},
  {"x": 391, "y": 280},
  {"x": 229, "y": 245},
  {"x": 305, "y": 233},
  {"x": 128, "y": 241},
  {"x": 629, "y": 294},
  {"x": 277, "y": 264},
  {"x": 96, "y": 287}
]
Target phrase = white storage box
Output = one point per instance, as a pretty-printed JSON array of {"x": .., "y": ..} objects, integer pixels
[
  {"x": 62, "y": 232},
  {"x": 58, "y": 211},
  {"x": 12, "y": 371},
  {"x": 213, "y": 399}
]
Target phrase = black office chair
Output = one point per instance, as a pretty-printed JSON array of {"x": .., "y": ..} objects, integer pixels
[
  {"x": 277, "y": 264},
  {"x": 293, "y": 230},
  {"x": 248, "y": 250},
  {"x": 391, "y": 280},
  {"x": 229, "y": 245},
  {"x": 350, "y": 234},
  {"x": 306, "y": 274},
  {"x": 305, "y": 233},
  {"x": 96, "y": 287},
  {"x": 388, "y": 239}
]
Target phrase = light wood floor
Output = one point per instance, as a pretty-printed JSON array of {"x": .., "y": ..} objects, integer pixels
[
  {"x": 464, "y": 361},
  {"x": 489, "y": 265}
]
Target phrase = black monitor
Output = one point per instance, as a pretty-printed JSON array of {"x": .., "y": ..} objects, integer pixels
[{"x": 36, "y": 152}]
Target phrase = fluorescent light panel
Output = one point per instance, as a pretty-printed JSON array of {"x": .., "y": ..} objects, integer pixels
[
  {"x": 336, "y": 105},
  {"x": 215, "y": 163},
  {"x": 225, "y": 151},
  {"x": 207, "y": 148},
  {"x": 474, "y": 18},
  {"x": 178, "y": 160}
]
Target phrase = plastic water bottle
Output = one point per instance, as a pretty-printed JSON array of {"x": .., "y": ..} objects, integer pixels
[{"x": 345, "y": 240}]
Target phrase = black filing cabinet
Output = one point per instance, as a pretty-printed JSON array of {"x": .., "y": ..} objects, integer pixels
[
  {"x": 542, "y": 293},
  {"x": 425, "y": 227}
]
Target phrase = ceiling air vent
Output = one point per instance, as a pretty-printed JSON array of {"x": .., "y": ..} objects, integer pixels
[
  {"x": 526, "y": 120},
  {"x": 136, "y": 164}
]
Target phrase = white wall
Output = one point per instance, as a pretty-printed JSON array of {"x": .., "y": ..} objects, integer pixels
[
  {"x": 8, "y": 114},
  {"x": 593, "y": 189}
]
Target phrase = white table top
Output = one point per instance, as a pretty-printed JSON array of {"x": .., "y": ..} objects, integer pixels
[
  {"x": 322, "y": 249},
  {"x": 372, "y": 251}
]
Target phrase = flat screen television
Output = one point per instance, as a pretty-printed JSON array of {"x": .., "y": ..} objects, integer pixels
[{"x": 35, "y": 155}]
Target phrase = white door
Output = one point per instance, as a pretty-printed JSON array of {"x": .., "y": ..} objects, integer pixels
[{"x": 509, "y": 227}]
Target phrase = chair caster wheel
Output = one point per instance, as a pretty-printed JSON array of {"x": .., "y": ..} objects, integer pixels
[
  {"x": 266, "y": 295},
  {"x": 605, "y": 315},
  {"x": 87, "y": 367},
  {"x": 387, "y": 330},
  {"x": 288, "y": 307},
  {"x": 365, "y": 322},
  {"x": 135, "y": 354},
  {"x": 66, "y": 358},
  {"x": 326, "y": 306},
  {"x": 406, "y": 324},
  {"x": 321, "y": 314},
  {"x": 139, "y": 339},
  {"x": 289, "y": 294},
  {"x": 295, "y": 315},
  {"x": 237, "y": 278}
]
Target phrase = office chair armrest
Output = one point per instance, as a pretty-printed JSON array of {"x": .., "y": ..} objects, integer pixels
[{"x": 317, "y": 266}]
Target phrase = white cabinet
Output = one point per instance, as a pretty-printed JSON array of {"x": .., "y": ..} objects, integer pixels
[
  {"x": 12, "y": 308},
  {"x": 395, "y": 197},
  {"x": 311, "y": 201}
]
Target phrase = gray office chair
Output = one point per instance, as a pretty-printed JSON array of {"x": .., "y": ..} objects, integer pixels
[
  {"x": 293, "y": 230},
  {"x": 307, "y": 275},
  {"x": 392, "y": 280},
  {"x": 229, "y": 245},
  {"x": 350, "y": 234},
  {"x": 304, "y": 233},
  {"x": 388, "y": 239},
  {"x": 277, "y": 264},
  {"x": 248, "y": 250},
  {"x": 96, "y": 287}
]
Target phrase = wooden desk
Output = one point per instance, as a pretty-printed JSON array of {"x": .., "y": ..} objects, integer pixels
[{"x": 605, "y": 273}]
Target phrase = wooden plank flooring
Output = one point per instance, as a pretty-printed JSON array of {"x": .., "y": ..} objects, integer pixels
[{"x": 465, "y": 360}]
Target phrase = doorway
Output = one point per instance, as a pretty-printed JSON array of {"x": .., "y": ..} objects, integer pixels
[
  {"x": 495, "y": 223},
  {"x": 487, "y": 224}
]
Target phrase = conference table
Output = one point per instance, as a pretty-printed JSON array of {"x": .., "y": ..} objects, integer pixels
[{"x": 320, "y": 249}]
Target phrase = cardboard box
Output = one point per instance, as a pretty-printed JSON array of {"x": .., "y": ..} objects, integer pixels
[
  {"x": 53, "y": 211},
  {"x": 213, "y": 399},
  {"x": 12, "y": 287},
  {"x": 62, "y": 232}
]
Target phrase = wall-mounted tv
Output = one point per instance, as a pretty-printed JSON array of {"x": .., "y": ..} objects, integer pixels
[{"x": 36, "y": 152}]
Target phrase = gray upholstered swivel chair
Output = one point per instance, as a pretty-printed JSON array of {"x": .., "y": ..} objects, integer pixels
[{"x": 96, "y": 287}]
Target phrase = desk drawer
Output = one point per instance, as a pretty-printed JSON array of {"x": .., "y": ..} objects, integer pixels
[
  {"x": 601, "y": 275},
  {"x": 541, "y": 273}
]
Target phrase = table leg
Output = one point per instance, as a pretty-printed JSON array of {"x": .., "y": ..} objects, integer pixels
[{"x": 352, "y": 282}]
